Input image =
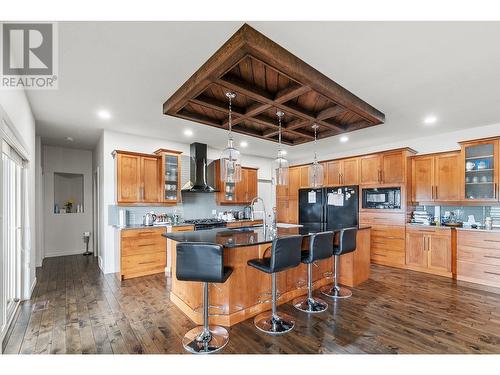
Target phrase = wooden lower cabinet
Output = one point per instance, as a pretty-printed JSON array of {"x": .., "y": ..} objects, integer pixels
[
  {"x": 244, "y": 223},
  {"x": 478, "y": 257},
  {"x": 142, "y": 252},
  {"x": 387, "y": 237},
  {"x": 429, "y": 250}
]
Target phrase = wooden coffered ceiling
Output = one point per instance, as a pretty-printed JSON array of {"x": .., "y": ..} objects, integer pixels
[{"x": 266, "y": 78}]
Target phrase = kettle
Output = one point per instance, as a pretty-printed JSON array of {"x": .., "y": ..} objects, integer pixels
[
  {"x": 149, "y": 219},
  {"x": 247, "y": 212}
]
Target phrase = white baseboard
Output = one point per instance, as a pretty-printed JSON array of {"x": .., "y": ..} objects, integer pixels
[
  {"x": 61, "y": 253},
  {"x": 32, "y": 288}
]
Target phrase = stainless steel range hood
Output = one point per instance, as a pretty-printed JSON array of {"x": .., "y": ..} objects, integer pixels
[{"x": 199, "y": 169}]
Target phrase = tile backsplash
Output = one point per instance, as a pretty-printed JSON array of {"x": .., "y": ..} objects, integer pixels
[
  {"x": 479, "y": 212},
  {"x": 193, "y": 206}
]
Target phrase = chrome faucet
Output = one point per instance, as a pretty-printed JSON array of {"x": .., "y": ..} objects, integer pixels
[{"x": 252, "y": 215}]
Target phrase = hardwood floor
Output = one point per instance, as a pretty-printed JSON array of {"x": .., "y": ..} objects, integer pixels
[{"x": 396, "y": 311}]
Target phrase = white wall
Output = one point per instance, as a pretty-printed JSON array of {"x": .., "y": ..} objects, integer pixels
[
  {"x": 40, "y": 254},
  {"x": 119, "y": 141},
  {"x": 15, "y": 109},
  {"x": 423, "y": 145},
  {"x": 63, "y": 232}
]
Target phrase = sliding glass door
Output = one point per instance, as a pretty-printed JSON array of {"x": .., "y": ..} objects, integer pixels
[{"x": 13, "y": 178}]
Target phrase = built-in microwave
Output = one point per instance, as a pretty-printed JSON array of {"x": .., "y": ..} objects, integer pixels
[{"x": 388, "y": 198}]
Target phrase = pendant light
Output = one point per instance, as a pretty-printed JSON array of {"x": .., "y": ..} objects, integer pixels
[
  {"x": 230, "y": 158},
  {"x": 280, "y": 164},
  {"x": 316, "y": 171}
]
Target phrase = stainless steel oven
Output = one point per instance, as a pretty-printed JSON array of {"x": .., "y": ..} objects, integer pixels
[{"x": 388, "y": 198}]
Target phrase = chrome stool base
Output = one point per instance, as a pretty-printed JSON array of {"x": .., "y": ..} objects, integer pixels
[
  {"x": 277, "y": 325},
  {"x": 310, "y": 305},
  {"x": 336, "y": 292},
  {"x": 197, "y": 343}
]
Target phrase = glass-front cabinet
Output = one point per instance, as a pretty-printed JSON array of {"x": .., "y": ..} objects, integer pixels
[
  {"x": 481, "y": 170},
  {"x": 170, "y": 175}
]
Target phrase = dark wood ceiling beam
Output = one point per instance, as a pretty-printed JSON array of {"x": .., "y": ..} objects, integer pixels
[
  {"x": 295, "y": 124},
  {"x": 216, "y": 105},
  {"x": 197, "y": 117},
  {"x": 331, "y": 112},
  {"x": 266, "y": 121},
  {"x": 299, "y": 112},
  {"x": 256, "y": 133}
]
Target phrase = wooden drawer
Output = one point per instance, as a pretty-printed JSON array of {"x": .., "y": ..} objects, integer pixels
[
  {"x": 235, "y": 224},
  {"x": 382, "y": 218},
  {"x": 387, "y": 257},
  {"x": 385, "y": 244},
  {"x": 390, "y": 232},
  {"x": 136, "y": 246},
  {"x": 143, "y": 264},
  {"x": 478, "y": 273},
  {"x": 429, "y": 230},
  {"x": 475, "y": 254},
  {"x": 143, "y": 233},
  {"x": 479, "y": 239}
]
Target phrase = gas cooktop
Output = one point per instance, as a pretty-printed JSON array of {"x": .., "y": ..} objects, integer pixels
[{"x": 200, "y": 224}]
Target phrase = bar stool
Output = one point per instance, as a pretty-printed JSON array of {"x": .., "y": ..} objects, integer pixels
[
  {"x": 285, "y": 254},
  {"x": 203, "y": 262},
  {"x": 320, "y": 247},
  {"x": 347, "y": 244}
]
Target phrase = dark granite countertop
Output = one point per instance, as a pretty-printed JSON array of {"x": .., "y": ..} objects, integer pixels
[{"x": 240, "y": 237}]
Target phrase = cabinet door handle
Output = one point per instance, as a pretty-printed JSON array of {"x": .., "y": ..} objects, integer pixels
[
  {"x": 495, "y": 190},
  {"x": 152, "y": 261},
  {"x": 436, "y": 192},
  {"x": 425, "y": 243},
  {"x": 491, "y": 240},
  {"x": 147, "y": 244}
]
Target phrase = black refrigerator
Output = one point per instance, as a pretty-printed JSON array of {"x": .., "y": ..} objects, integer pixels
[{"x": 329, "y": 208}]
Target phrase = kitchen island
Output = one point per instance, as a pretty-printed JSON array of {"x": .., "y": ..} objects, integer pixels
[{"x": 246, "y": 292}]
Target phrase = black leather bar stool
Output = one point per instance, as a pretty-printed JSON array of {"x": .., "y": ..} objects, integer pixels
[
  {"x": 285, "y": 254},
  {"x": 320, "y": 247},
  {"x": 203, "y": 262},
  {"x": 347, "y": 244}
]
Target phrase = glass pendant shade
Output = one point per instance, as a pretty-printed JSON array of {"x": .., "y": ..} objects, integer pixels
[
  {"x": 316, "y": 170},
  {"x": 280, "y": 164},
  {"x": 230, "y": 164},
  {"x": 280, "y": 170},
  {"x": 316, "y": 174},
  {"x": 230, "y": 158}
]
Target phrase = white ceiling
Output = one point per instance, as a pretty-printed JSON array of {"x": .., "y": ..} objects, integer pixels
[{"x": 407, "y": 70}]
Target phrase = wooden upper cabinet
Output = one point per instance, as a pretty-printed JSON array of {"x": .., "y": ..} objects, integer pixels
[
  {"x": 334, "y": 173},
  {"x": 350, "y": 172},
  {"x": 436, "y": 177},
  {"x": 294, "y": 182},
  {"x": 422, "y": 169},
  {"x": 447, "y": 177},
  {"x": 370, "y": 172},
  {"x": 392, "y": 166},
  {"x": 137, "y": 178},
  {"x": 304, "y": 176},
  {"x": 342, "y": 172},
  {"x": 238, "y": 193},
  {"x": 128, "y": 178},
  {"x": 170, "y": 175},
  {"x": 150, "y": 179},
  {"x": 480, "y": 168},
  {"x": 252, "y": 181}
]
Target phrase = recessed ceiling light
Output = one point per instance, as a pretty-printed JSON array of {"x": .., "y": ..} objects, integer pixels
[
  {"x": 104, "y": 114},
  {"x": 243, "y": 143},
  {"x": 69, "y": 139},
  {"x": 344, "y": 138},
  {"x": 429, "y": 120},
  {"x": 188, "y": 132}
]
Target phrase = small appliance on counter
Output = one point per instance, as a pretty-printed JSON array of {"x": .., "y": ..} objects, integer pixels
[
  {"x": 248, "y": 212},
  {"x": 149, "y": 219},
  {"x": 123, "y": 218}
]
